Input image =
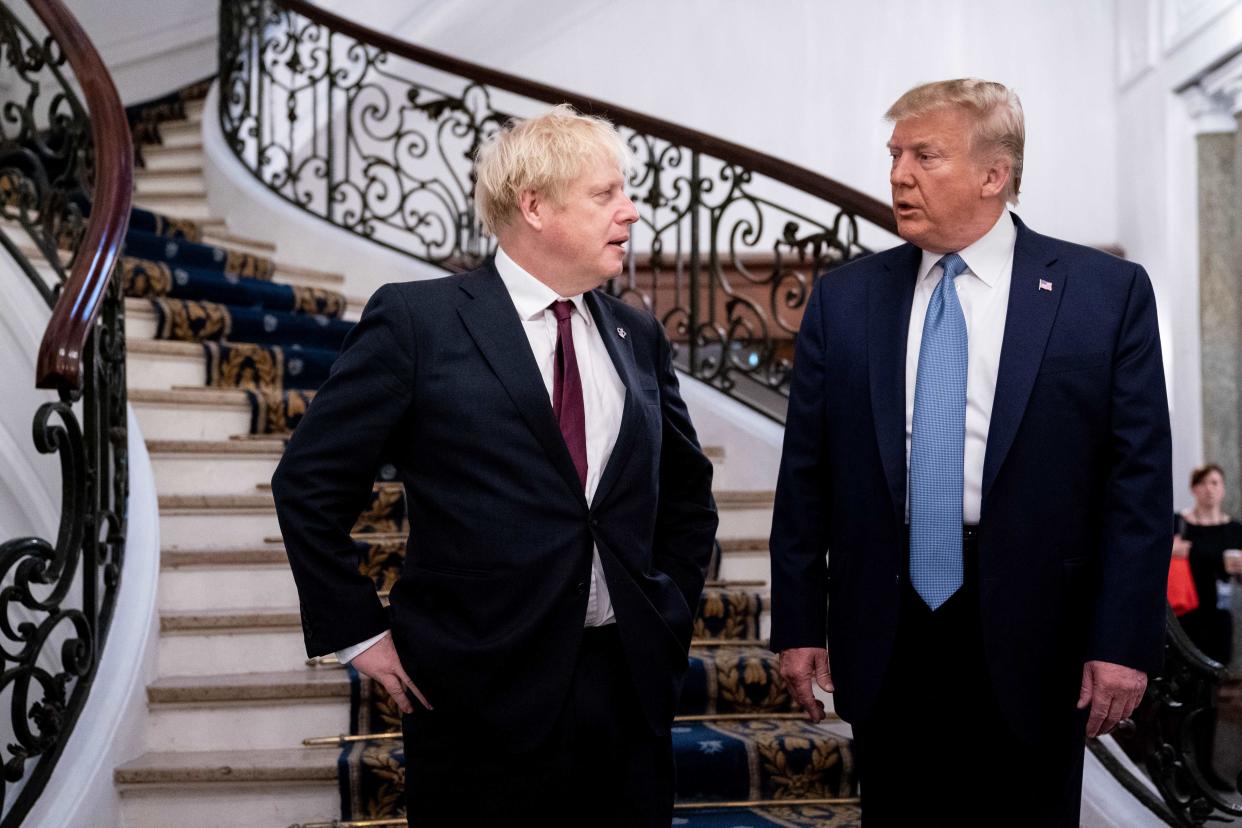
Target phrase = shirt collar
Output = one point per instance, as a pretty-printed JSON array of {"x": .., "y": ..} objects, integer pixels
[
  {"x": 987, "y": 258},
  {"x": 530, "y": 296}
]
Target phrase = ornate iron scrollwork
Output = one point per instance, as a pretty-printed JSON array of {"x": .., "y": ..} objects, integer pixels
[
  {"x": 382, "y": 146},
  {"x": 57, "y": 599}
]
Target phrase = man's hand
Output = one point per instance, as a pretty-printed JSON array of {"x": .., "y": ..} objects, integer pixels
[
  {"x": 379, "y": 662},
  {"x": 1112, "y": 691},
  {"x": 798, "y": 665}
]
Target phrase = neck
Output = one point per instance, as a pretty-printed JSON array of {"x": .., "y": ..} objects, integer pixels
[
  {"x": 1208, "y": 514},
  {"x": 546, "y": 270}
]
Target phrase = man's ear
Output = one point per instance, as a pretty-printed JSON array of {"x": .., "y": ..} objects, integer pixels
[
  {"x": 996, "y": 179},
  {"x": 531, "y": 207}
]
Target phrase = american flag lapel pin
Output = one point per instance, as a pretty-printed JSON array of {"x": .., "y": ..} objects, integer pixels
[
  {"x": 1044, "y": 284},
  {"x": 621, "y": 332}
]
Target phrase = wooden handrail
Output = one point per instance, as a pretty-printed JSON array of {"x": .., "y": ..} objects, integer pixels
[
  {"x": 851, "y": 200},
  {"x": 59, "y": 364}
]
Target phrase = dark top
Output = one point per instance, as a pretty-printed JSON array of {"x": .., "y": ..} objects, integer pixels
[{"x": 1207, "y": 566}]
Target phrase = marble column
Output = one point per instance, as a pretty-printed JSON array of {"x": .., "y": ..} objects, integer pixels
[{"x": 1220, "y": 285}]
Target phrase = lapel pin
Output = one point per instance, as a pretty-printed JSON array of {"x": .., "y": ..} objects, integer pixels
[
  {"x": 1044, "y": 284},
  {"x": 621, "y": 332}
]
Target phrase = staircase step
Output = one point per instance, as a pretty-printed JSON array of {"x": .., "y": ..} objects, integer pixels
[
  {"x": 164, "y": 364},
  {"x": 225, "y": 579},
  {"x": 195, "y": 413},
  {"x": 246, "y": 711},
  {"x": 217, "y": 233},
  {"x": 216, "y": 521},
  {"x": 743, "y": 514},
  {"x": 298, "y": 275},
  {"x": 208, "y": 789},
  {"x": 156, "y": 157},
  {"x": 213, "y": 467},
  {"x": 235, "y": 640},
  {"x": 745, "y": 558},
  {"x": 185, "y": 205},
  {"x": 183, "y": 133},
  {"x": 169, "y": 180}
]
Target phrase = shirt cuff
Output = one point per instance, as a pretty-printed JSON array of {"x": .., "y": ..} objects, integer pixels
[{"x": 350, "y": 653}]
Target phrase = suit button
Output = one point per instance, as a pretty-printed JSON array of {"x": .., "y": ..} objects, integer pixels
[
  {"x": 595, "y": 521},
  {"x": 581, "y": 587}
]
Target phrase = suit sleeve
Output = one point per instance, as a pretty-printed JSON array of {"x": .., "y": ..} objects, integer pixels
[
  {"x": 1128, "y": 627},
  {"x": 799, "y": 539},
  {"x": 325, "y": 477},
  {"x": 686, "y": 516}
]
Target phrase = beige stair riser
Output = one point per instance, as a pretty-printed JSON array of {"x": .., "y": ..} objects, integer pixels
[
  {"x": 214, "y": 653},
  {"x": 746, "y": 566},
  {"x": 168, "y": 421},
  {"x": 234, "y": 804},
  {"x": 244, "y": 725},
  {"x": 226, "y": 587},
  {"x": 177, "y": 207},
  {"x": 210, "y": 237},
  {"x": 745, "y": 522},
  {"x": 216, "y": 528},
  {"x": 171, "y": 158},
  {"x": 212, "y": 474},
  {"x": 139, "y": 319},
  {"x": 145, "y": 185},
  {"x": 181, "y": 134},
  {"x": 164, "y": 371}
]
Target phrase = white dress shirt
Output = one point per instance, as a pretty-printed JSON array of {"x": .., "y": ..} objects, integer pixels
[
  {"x": 603, "y": 400},
  {"x": 983, "y": 289}
]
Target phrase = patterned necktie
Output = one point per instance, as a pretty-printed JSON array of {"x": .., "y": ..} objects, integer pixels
[
  {"x": 567, "y": 390},
  {"x": 937, "y": 442}
]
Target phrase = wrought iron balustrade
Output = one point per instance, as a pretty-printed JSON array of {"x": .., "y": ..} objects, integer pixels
[
  {"x": 65, "y": 186},
  {"x": 377, "y": 136}
]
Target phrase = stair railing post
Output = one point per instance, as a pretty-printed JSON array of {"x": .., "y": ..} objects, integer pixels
[{"x": 695, "y": 311}]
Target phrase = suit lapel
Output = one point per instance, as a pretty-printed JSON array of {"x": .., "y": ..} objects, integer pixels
[
  {"x": 621, "y": 351},
  {"x": 889, "y": 297},
  {"x": 1027, "y": 325},
  {"x": 493, "y": 324}
]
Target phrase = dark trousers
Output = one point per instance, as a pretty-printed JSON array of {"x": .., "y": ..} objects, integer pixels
[
  {"x": 601, "y": 765},
  {"x": 936, "y": 750}
]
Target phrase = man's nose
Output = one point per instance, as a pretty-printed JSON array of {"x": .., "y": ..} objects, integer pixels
[
  {"x": 629, "y": 213},
  {"x": 900, "y": 175}
]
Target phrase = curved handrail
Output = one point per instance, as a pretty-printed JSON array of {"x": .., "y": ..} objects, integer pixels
[
  {"x": 59, "y": 363},
  {"x": 851, "y": 200}
]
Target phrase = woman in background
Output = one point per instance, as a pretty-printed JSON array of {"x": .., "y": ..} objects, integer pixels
[{"x": 1213, "y": 542}]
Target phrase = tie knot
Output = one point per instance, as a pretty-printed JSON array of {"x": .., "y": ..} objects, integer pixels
[
  {"x": 953, "y": 265},
  {"x": 562, "y": 309}
]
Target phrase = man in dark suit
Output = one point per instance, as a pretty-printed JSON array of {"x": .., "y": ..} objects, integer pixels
[
  {"x": 975, "y": 487},
  {"x": 560, "y": 507}
]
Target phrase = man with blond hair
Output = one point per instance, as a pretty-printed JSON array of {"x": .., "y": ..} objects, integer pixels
[
  {"x": 975, "y": 487},
  {"x": 560, "y": 507}
]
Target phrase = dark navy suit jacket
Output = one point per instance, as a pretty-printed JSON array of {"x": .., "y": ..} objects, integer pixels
[
  {"x": 438, "y": 379},
  {"x": 1077, "y": 481}
]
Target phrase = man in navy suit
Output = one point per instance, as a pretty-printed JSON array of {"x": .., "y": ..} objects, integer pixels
[
  {"x": 560, "y": 507},
  {"x": 975, "y": 487}
]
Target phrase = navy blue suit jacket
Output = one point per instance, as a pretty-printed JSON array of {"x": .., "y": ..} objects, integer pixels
[
  {"x": 1077, "y": 481},
  {"x": 438, "y": 379}
]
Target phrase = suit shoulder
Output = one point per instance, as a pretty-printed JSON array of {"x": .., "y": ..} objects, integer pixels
[{"x": 854, "y": 274}]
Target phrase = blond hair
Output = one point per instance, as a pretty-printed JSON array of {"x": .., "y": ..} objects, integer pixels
[
  {"x": 544, "y": 154},
  {"x": 999, "y": 125}
]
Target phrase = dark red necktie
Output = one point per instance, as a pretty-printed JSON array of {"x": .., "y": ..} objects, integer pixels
[{"x": 567, "y": 390}]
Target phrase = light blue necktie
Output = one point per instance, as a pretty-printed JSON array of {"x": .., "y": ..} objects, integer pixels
[{"x": 937, "y": 442}]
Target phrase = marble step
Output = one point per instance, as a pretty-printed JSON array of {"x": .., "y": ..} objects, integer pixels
[
  {"x": 149, "y": 181},
  {"x": 181, "y": 134},
  {"x": 187, "y": 205},
  {"x": 216, "y": 521},
  {"x": 237, "y": 640},
  {"x": 209, "y": 789},
  {"x": 156, "y": 157},
  {"x": 213, "y": 467},
  {"x": 160, "y": 364},
  {"x": 217, "y": 233},
  {"x": 191, "y": 413},
  {"x": 246, "y": 711}
]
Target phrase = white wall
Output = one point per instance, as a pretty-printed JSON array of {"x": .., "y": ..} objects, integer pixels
[
  {"x": 1162, "y": 45},
  {"x": 151, "y": 47}
]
